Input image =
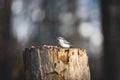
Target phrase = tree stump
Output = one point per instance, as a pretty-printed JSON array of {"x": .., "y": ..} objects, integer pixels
[{"x": 55, "y": 63}]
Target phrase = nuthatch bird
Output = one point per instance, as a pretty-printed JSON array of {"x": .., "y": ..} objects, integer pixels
[{"x": 63, "y": 43}]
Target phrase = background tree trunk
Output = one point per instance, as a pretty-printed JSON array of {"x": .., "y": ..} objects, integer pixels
[
  {"x": 111, "y": 32},
  {"x": 4, "y": 38},
  {"x": 56, "y": 64},
  {"x": 10, "y": 59}
]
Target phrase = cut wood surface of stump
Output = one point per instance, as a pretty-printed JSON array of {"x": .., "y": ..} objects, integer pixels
[{"x": 55, "y": 63}]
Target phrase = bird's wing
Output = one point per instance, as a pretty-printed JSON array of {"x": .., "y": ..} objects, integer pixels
[{"x": 66, "y": 42}]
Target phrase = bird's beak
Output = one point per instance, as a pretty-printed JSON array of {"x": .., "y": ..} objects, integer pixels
[{"x": 57, "y": 38}]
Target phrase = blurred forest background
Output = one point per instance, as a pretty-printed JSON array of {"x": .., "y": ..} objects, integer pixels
[{"x": 90, "y": 24}]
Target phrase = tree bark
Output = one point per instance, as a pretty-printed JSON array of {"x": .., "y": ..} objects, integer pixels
[{"x": 56, "y": 64}]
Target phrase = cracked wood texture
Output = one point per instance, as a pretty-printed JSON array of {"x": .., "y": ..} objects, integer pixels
[{"x": 56, "y": 64}]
